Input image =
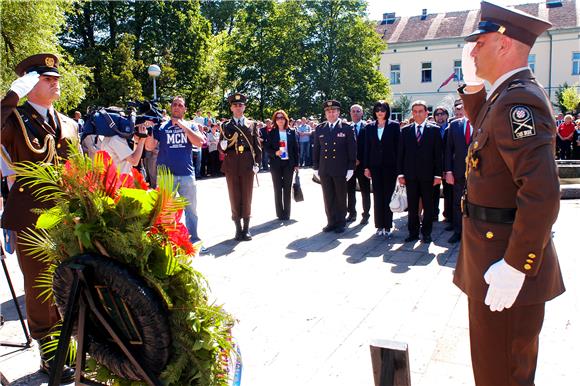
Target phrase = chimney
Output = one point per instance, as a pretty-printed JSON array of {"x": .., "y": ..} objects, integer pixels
[{"x": 424, "y": 14}]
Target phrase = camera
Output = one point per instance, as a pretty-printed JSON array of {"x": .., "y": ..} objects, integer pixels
[{"x": 113, "y": 121}]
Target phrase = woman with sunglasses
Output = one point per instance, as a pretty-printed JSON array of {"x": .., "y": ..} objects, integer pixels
[
  {"x": 282, "y": 147},
  {"x": 380, "y": 164}
]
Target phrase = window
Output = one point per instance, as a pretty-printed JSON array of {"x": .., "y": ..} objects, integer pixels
[
  {"x": 576, "y": 63},
  {"x": 426, "y": 72},
  {"x": 395, "y": 73},
  {"x": 457, "y": 70},
  {"x": 532, "y": 62},
  {"x": 396, "y": 115}
]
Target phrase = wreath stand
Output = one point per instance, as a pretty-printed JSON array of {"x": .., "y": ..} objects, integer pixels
[
  {"x": 16, "y": 304},
  {"x": 82, "y": 299}
]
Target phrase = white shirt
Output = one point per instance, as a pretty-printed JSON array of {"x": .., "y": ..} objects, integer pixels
[
  {"x": 43, "y": 111},
  {"x": 357, "y": 126},
  {"x": 420, "y": 126},
  {"x": 503, "y": 78}
]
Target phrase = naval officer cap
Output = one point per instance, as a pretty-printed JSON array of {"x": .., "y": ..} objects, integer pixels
[
  {"x": 237, "y": 98},
  {"x": 331, "y": 104},
  {"x": 43, "y": 64},
  {"x": 516, "y": 24}
]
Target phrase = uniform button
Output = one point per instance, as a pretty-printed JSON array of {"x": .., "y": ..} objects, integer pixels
[
  {"x": 530, "y": 261},
  {"x": 325, "y": 157},
  {"x": 334, "y": 143},
  {"x": 475, "y": 145},
  {"x": 58, "y": 146},
  {"x": 333, "y": 149},
  {"x": 527, "y": 267},
  {"x": 326, "y": 143},
  {"x": 333, "y": 157},
  {"x": 489, "y": 235},
  {"x": 532, "y": 255},
  {"x": 21, "y": 189}
]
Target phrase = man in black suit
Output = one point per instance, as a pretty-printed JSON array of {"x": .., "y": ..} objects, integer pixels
[
  {"x": 419, "y": 165},
  {"x": 356, "y": 114},
  {"x": 334, "y": 158},
  {"x": 441, "y": 117},
  {"x": 458, "y": 140}
]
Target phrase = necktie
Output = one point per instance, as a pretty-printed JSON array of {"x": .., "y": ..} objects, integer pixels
[
  {"x": 467, "y": 134},
  {"x": 51, "y": 121},
  {"x": 419, "y": 135}
]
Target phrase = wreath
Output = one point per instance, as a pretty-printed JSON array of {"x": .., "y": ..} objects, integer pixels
[{"x": 98, "y": 211}]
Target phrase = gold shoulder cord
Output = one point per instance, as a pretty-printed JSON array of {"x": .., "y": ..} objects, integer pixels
[
  {"x": 48, "y": 146},
  {"x": 231, "y": 140}
]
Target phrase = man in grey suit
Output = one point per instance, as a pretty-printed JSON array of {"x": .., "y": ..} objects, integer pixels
[{"x": 458, "y": 140}]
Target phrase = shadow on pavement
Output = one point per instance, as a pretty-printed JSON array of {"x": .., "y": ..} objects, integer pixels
[
  {"x": 9, "y": 309},
  {"x": 320, "y": 242}
]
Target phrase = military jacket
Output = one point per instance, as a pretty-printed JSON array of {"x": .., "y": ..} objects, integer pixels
[
  {"x": 243, "y": 150},
  {"x": 334, "y": 150},
  {"x": 510, "y": 164},
  {"x": 21, "y": 199}
]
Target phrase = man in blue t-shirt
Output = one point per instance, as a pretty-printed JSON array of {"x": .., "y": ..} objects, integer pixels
[{"x": 176, "y": 139}]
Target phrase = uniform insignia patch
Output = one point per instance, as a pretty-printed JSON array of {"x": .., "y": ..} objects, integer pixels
[
  {"x": 522, "y": 122},
  {"x": 341, "y": 135}
]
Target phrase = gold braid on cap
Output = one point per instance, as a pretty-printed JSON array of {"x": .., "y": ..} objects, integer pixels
[{"x": 48, "y": 146}]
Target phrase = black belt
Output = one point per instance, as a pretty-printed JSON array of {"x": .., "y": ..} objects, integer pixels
[{"x": 495, "y": 215}]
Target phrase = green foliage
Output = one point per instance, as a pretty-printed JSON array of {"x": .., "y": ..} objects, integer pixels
[
  {"x": 403, "y": 105},
  {"x": 30, "y": 28},
  {"x": 570, "y": 98}
]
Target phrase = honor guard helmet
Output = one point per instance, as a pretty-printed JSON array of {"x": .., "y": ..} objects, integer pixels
[
  {"x": 516, "y": 24},
  {"x": 43, "y": 64},
  {"x": 331, "y": 104},
  {"x": 237, "y": 98}
]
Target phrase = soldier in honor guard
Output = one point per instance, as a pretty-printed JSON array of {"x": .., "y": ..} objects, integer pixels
[
  {"x": 34, "y": 132},
  {"x": 507, "y": 264},
  {"x": 239, "y": 141},
  {"x": 334, "y": 159}
]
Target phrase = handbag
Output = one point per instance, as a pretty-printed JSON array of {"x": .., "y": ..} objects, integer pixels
[
  {"x": 398, "y": 202},
  {"x": 297, "y": 189}
]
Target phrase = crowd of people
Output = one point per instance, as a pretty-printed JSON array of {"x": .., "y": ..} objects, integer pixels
[{"x": 568, "y": 137}]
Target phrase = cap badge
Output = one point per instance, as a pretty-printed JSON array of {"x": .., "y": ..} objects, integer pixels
[
  {"x": 237, "y": 97},
  {"x": 501, "y": 29},
  {"x": 329, "y": 103},
  {"x": 49, "y": 61}
]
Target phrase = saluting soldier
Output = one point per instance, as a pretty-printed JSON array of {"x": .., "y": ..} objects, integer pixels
[
  {"x": 239, "y": 141},
  {"x": 507, "y": 263},
  {"x": 334, "y": 159},
  {"x": 34, "y": 132}
]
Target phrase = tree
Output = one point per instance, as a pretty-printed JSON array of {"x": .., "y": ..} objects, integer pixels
[
  {"x": 403, "y": 105},
  {"x": 39, "y": 33},
  {"x": 570, "y": 98}
]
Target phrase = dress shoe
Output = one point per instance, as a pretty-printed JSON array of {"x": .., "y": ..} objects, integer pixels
[
  {"x": 411, "y": 238},
  {"x": 47, "y": 360},
  {"x": 449, "y": 227},
  {"x": 238, "y": 236},
  {"x": 380, "y": 232},
  {"x": 339, "y": 229},
  {"x": 454, "y": 238},
  {"x": 328, "y": 228},
  {"x": 426, "y": 239},
  {"x": 351, "y": 218},
  {"x": 365, "y": 220},
  {"x": 246, "y": 235}
]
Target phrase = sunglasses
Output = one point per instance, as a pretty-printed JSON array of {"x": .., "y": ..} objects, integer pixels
[
  {"x": 280, "y": 117},
  {"x": 381, "y": 110},
  {"x": 440, "y": 113}
]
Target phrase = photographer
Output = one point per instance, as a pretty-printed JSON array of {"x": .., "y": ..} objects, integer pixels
[{"x": 120, "y": 151}]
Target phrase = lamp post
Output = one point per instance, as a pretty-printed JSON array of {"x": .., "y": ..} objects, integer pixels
[{"x": 154, "y": 71}]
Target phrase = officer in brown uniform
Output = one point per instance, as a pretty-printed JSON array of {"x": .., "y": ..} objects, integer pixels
[
  {"x": 34, "y": 132},
  {"x": 507, "y": 265},
  {"x": 239, "y": 141}
]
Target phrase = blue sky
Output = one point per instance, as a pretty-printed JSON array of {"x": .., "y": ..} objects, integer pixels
[{"x": 413, "y": 7}]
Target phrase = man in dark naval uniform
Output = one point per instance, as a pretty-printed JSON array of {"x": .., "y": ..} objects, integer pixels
[
  {"x": 34, "y": 132},
  {"x": 239, "y": 141},
  {"x": 507, "y": 264},
  {"x": 334, "y": 159}
]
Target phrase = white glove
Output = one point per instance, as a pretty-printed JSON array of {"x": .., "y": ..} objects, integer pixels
[
  {"x": 255, "y": 169},
  {"x": 505, "y": 283},
  {"x": 315, "y": 172},
  {"x": 349, "y": 174},
  {"x": 468, "y": 66},
  {"x": 25, "y": 83},
  {"x": 224, "y": 144}
]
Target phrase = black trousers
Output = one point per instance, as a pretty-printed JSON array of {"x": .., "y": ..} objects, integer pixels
[
  {"x": 436, "y": 199},
  {"x": 384, "y": 182},
  {"x": 423, "y": 190},
  {"x": 457, "y": 193},
  {"x": 365, "y": 192},
  {"x": 504, "y": 345},
  {"x": 282, "y": 173},
  {"x": 448, "y": 201},
  {"x": 564, "y": 148},
  {"x": 334, "y": 196},
  {"x": 214, "y": 163}
]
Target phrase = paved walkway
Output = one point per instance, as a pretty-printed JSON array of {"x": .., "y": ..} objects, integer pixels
[{"x": 309, "y": 303}]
